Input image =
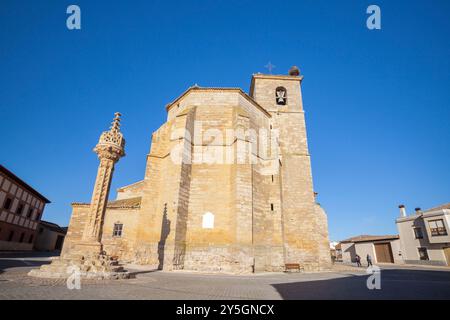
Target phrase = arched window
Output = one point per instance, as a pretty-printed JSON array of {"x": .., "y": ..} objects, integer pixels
[
  {"x": 281, "y": 96},
  {"x": 208, "y": 221}
]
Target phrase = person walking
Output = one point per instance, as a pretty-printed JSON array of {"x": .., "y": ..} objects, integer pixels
[
  {"x": 369, "y": 260},
  {"x": 358, "y": 261}
]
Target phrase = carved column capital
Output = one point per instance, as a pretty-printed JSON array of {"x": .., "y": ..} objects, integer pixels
[
  {"x": 109, "y": 152},
  {"x": 111, "y": 144}
]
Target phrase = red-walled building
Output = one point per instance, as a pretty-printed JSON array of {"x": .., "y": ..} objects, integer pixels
[{"x": 21, "y": 209}]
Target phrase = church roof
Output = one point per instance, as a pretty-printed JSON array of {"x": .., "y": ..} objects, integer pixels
[
  {"x": 130, "y": 203},
  {"x": 218, "y": 89},
  {"x": 135, "y": 184}
]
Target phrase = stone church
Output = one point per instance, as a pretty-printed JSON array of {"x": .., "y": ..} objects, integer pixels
[{"x": 214, "y": 198}]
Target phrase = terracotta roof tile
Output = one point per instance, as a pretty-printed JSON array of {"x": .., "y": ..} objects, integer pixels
[{"x": 367, "y": 238}]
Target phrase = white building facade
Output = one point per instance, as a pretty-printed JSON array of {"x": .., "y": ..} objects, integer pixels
[
  {"x": 381, "y": 249},
  {"x": 424, "y": 235}
]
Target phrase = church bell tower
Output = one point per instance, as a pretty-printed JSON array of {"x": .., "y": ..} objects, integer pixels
[{"x": 304, "y": 240}]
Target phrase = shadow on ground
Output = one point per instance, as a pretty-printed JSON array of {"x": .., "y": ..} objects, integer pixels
[
  {"x": 23, "y": 259},
  {"x": 134, "y": 274},
  {"x": 395, "y": 284}
]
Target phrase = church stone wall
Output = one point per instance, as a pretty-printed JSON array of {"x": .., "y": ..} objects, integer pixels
[
  {"x": 151, "y": 217},
  {"x": 226, "y": 247},
  {"x": 322, "y": 238},
  {"x": 76, "y": 227},
  {"x": 221, "y": 188},
  {"x": 121, "y": 247},
  {"x": 267, "y": 228}
]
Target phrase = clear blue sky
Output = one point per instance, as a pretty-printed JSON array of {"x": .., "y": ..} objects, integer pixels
[{"x": 377, "y": 102}]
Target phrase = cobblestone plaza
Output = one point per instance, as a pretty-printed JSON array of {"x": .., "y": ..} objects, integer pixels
[{"x": 342, "y": 282}]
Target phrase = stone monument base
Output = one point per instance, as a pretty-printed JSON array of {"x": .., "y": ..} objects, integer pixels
[{"x": 97, "y": 267}]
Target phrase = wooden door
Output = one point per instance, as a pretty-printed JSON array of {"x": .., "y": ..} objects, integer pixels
[
  {"x": 384, "y": 252},
  {"x": 447, "y": 255}
]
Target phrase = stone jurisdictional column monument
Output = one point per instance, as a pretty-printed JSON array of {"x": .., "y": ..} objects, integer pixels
[
  {"x": 88, "y": 257},
  {"x": 109, "y": 149}
]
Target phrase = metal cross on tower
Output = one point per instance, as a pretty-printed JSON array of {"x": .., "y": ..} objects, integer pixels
[{"x": 270, "y": 67}]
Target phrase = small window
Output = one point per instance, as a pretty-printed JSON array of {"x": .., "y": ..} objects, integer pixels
[
  {"x": 437, "y": 228},
  {"x": 7, "y": 204},
  {"x": 19, "y": 209},
  {"x": 272, "y": 178},
  {"x": 11, "y": 235},
  {"x": 30, "y": 240},
  {"x": 22, "y": 236},
  {"x": 281, "y": 96},
  {"x": 418, "y": 233},
  {"x": 117, "y": 231},
  {"x": 41, "y": 230},
  {"x": 423, "y": 254},
  {"x": 271, "y": 207},
  {"x": 30, "y": 212},
  {"x": 208, "y": 221}
]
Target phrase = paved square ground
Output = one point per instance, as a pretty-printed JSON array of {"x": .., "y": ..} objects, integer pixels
[{"x": 342, "y": 282}]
